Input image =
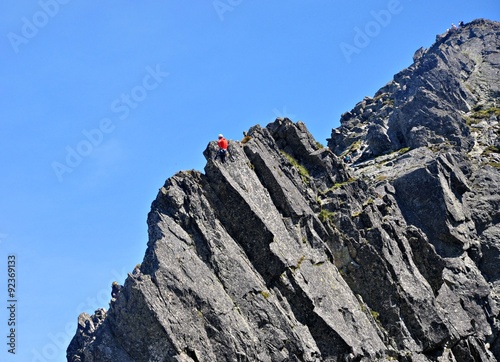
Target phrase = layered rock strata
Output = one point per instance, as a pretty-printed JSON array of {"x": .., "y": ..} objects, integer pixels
[{"x": 286, "y": 253}]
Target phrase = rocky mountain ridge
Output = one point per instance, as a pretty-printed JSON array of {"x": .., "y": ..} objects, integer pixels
[{"x": 286, "y": 253}]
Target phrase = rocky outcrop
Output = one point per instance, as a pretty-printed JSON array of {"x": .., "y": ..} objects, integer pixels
[
  {"x": 452, "y": 83},
  {"x": 285, "y": 253}
]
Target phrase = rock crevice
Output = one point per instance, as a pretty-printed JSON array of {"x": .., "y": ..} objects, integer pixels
[{"x": 286, "y": 253}]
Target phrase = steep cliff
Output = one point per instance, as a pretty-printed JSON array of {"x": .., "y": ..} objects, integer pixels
[{"x": 286, "y": 253}]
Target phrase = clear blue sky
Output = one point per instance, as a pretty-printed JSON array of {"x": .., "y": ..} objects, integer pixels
[{"x": 101, "y": 102}]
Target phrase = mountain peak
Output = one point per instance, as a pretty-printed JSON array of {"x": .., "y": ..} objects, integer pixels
[
  {"x": 284, "y": 252},
  {"x": 430, "y": 102}
]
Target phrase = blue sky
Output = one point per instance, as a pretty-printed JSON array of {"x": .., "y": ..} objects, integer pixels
[{"x": 100, "y": 103}]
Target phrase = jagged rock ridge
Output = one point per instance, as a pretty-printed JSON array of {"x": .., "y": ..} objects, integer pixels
[{"x": 284, "y": 253}]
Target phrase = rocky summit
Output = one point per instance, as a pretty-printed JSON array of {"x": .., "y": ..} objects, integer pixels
[{"x": 383, "y": 246}]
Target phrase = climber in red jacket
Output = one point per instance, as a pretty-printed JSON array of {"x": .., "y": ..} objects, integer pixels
[{"x": 222, "y": 143}]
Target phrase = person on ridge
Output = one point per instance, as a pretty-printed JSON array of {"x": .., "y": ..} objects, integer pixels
[
  {"x": 222, "y": 143},
  {"x": 115, "y": 290}
]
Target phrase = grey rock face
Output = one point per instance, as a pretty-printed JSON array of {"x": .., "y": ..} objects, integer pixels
[
  {"x": 284, "y": 253},
  {"x": 429, "y": 102}
]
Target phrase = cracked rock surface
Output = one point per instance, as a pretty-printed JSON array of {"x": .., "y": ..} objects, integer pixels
[{"x": 286, "y": 253}]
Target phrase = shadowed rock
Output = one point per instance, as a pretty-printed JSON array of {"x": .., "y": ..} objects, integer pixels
[{"x": 284, "y": 253}]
